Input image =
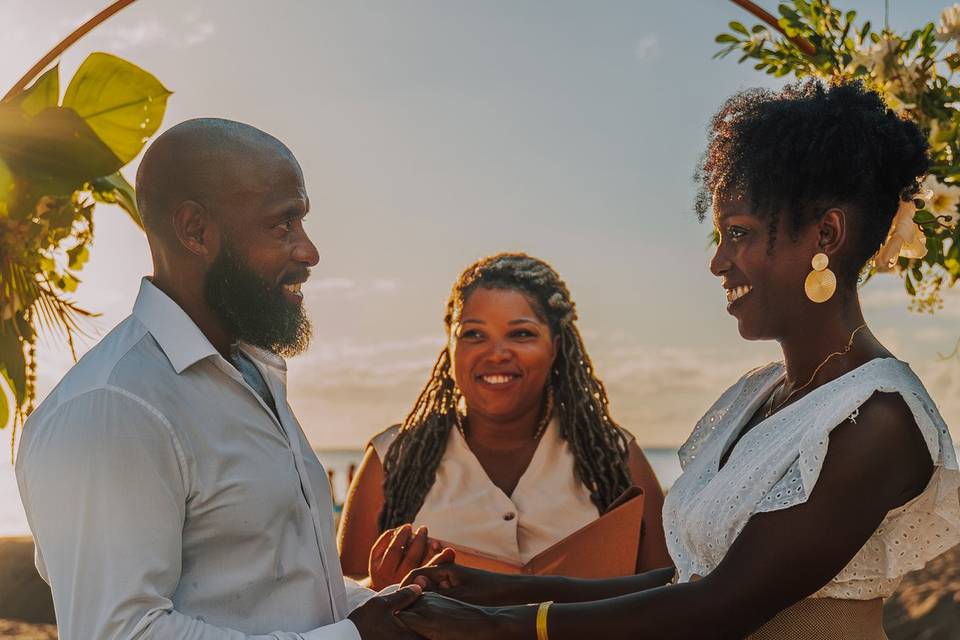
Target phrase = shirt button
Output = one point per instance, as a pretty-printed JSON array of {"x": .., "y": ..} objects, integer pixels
[{"x": 508, "y": 516}]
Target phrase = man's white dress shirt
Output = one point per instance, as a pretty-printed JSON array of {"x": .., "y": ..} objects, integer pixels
[{"x": 168, "y": 501}]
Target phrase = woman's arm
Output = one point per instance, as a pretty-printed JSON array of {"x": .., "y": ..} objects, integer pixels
[
  {"x": 875, "y": 465},
  {"x": 653, "y": 544},
  {"x": 488, "y": 588},
  {"x": 386, "y": 558},
  {"x": 359, "y": 528}
]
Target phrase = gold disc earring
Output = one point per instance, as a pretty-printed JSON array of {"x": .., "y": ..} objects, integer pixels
[{"x": 821, "y": 283}]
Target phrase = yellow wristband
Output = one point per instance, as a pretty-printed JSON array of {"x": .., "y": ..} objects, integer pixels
[{"x": 542, "y": 620}]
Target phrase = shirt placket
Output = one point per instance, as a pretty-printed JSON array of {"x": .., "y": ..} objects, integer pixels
[
  {"x": 287, "y": 423},
  {"x": 293, "y": 444}
]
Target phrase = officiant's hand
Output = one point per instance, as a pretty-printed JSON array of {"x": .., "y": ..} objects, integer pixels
[
  {"x": 397, "y": 552},
  {"x": 438, "y": 617},
  {"x": 463, "y": 583},
  {"x": 376, "y": 619}
]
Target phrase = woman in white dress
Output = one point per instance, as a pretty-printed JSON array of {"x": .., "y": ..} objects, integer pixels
[{"x": 812, "y": 485}]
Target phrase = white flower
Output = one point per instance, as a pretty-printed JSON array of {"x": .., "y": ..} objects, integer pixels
[
  {"x": 878, "y": 58},
  {"x": 905, "y": 239},
  {"x": 949, "y": 28},
  {"x": 943, "y": 200}
]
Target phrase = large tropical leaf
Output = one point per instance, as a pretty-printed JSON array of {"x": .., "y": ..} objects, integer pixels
[
  {"x": 56, "y": 149},
  {"x": 114, "y": 189},
  {"x": 43, "y": 93},
  {"x": 121, "y": 102}
]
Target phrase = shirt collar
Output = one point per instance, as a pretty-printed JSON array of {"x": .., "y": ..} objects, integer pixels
[
  {"x": 179, "y": 336},
  {"x": 175, "y": 332},
  {"x": 264, "y": 356}
]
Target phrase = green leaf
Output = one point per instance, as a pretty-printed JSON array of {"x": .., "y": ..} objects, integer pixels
[
  {"x": 7, "y": 186},
  {"x": 114, "y": 189},
  {"x": 4, "y": 409},
  {"x": 78, "y": 256},
  {"x": 739, "y": 28},
  {"x": 725, "y": 37},
  {"x": 908, "y": 285},
  {"x": 13, "y": 363},
  {"x": 934, "y": 251},
  {"x": 56, "y": 150},
  {"x": 43, "y": 93},
  {"x": 67, "y": 282},
  {"x": 121, "y": 102}
]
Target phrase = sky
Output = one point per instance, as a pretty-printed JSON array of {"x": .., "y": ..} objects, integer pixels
[{"x": 432, "y": 133}]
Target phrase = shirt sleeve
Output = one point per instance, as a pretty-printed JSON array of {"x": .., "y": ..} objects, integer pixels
[
  {"x": 104, "y": 483},
  {"x": 357, "y": 594}
]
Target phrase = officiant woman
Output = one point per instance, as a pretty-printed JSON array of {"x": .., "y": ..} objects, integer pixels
[{"x": 510, "y": 446}]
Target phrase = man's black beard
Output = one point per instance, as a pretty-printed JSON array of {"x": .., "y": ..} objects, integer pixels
[{"x": 254, "y": 310}]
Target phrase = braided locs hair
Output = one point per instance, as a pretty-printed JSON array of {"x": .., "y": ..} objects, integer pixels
[{"x": 581, "y": 405}]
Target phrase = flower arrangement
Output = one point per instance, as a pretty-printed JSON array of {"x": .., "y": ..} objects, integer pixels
[
  {"x": 915, "y": 73},
  {"x": 58, "y": 158}
]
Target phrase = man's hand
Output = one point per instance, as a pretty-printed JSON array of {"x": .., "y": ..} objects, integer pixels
[
  {"x": 462, "y": 583},
  {"x": 436, "y": 617},
  {"x": 376, "y": 619},
  {"x": 397, "y": 552}
]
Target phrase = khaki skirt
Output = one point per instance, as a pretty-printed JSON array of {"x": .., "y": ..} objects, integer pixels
[{"x": 826, "y": 619}]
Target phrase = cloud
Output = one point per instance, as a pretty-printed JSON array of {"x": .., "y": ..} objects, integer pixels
[
  {"x": 124, "y": 38},
  {"x": 647, "y": 46},
  {"x": 191, "y": 30},
  {"x": 197, "y": 33},
  {"x": 330, "y": 284},
  {"x": 350, "y": 287},
  {"x": 347, "y": 390},
  {"x": 385, "y": 285}
]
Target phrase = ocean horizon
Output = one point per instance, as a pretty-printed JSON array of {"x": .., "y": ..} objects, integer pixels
[{"x": 13, "y": 522}]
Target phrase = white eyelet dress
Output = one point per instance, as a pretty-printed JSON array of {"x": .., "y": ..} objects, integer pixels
[{"x": 776, "y": 464}]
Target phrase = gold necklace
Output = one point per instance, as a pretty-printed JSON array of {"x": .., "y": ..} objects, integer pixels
[{"x": 774, "y": 406}]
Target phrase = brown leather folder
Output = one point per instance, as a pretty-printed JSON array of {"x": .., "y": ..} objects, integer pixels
[{"x": 604, "y": 548}]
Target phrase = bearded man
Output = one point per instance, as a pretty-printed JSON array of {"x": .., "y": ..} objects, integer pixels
[{"x": 170, "y": 490}]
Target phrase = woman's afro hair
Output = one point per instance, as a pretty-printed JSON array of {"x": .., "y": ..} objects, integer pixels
[{"x": 797, "y": 152}]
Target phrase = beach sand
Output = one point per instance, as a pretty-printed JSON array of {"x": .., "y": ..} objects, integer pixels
[{"x": 926, "y": 606}]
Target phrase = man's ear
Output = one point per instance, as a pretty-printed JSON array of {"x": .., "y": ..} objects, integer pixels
[
  {"x": 196, "y": 230},
  {"x": 832, "y": 231}
]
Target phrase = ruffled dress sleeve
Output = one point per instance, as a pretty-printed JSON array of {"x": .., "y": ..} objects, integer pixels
[{"x": 912, "y": 534}]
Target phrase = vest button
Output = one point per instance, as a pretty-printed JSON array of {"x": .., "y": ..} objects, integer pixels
[{"x": 508, "y": 516}]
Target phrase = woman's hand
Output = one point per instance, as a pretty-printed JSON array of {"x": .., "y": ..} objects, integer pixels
[
  {"x": 464, "y": 583},
  {"x": 397, "y": 552},
  {"x": 437, "y": 617}
]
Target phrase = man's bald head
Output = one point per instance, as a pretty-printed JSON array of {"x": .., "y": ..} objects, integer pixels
[
  {"x": 205, "y": 160},
  {"x": 223, "y": 204}
]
